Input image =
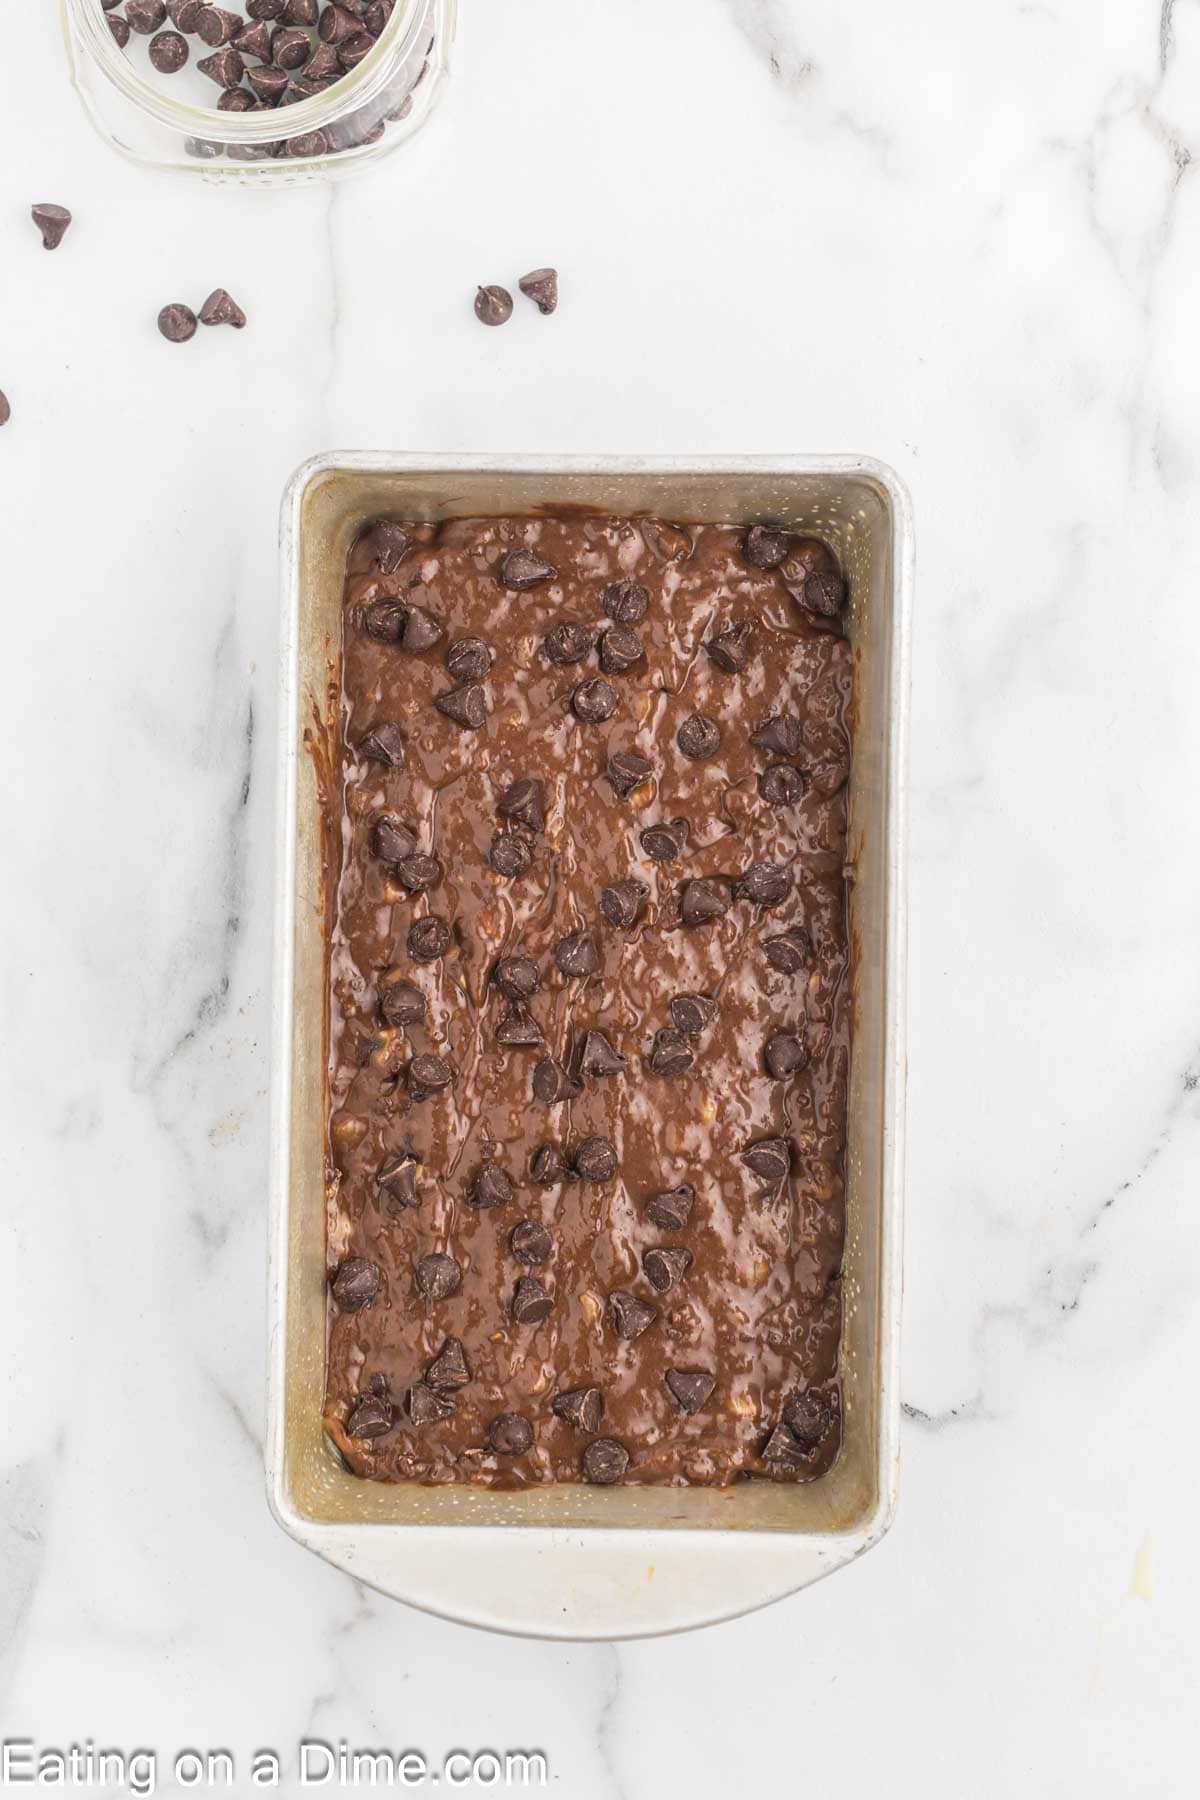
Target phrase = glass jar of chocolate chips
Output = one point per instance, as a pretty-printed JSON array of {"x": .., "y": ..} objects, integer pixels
[{"x": 274, "y": 91}]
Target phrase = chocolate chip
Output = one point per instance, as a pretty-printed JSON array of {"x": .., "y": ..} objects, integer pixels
[
  {"x": 176, "y": 322},
  {"x": 510, "y": 853},
  {"x": 183, "y": 14},
  {"x": 785, "y": 1054},
  {"x": 778, "y": 736},
  {"x": 373, "y": 1417},
  {"x": 449, "y": 1368},
  {"x": 290, "y": 49},
  {"x": 392, "y": 841},
  {"x": 702, "y": 900},
  {"x": 604, "y": 1462},
  {"x": 581, "y": 1407},
  {"x": 808, "y": 1417},
  {"x": 491, "y": 1187},
  {"x": 620, "y": 650},
  {"x": 421, "y": 632},
  {"x": 595, "y": 1160},
  {"x": 824, "y": 593},
  {"x": 764, "y": 548},
  {"x": 670, "y": 1053},
  {"x": 468, "y": 659},
  {"x": 419, "y": 873},
  {"x": 730, "y": 649},
  {"x": 627, "y": 770},
  {"x": 782, "y": 1451},
  {"x": 225, "y": 67},
  {"x": 530, "y": 1242},
  {"x": 598, "y": 1058},
  {"x": 699, "y": 737},
  {"x": 576, "y": 954},
  {"x": 254, "y": 41},
  {"x": 629, "y": 1316},
  {"x": 518, "y": 1029},
  {"x": 663, "y": 1268},
  {"x": 222, "y": 309},
  {"x": 781, "y": 785},
  {"x": 549, "y": 1166},
  {"x": 524, "y": 802},
  {"x": 664, "y": 842},
  {"x": 525, "y": 569},
  {"x": 692, "y": 1013},
  {"x": 428, "y": 1075},
  {"x": 389, "y": 543},
  {"x": 517, "y": 976},
  {"x": 765, "y": 883},
  {"x": 510, "y": 1435},
  {"x": 426, "y": 1406},
  {"x": 493, "y": 305},
  {"x": 789, "y": 952},
  {"x": 689, "y": 1388},
  {"x": 235, "y": 100},
  {"x": 352, "y": 50},
  {"x": 355, "y": 1284},
  {"x": 437, "y": 1277},
  {"x": 567, "y": 642},
  {"x": 541, "y": 286},
  {"x": 551, "y": 1083},
  {"x": 309, "y": 143},
  {"x": 384, "y": 621},
  {"x": 376, "y": 17},
  {"x": 770, "y": 1159},
  {"x": 120, "y": 30},
  {"x": 145, "y": 16},
  {"x": 401, "y": 1004},
  {"x": 256, "y": 9},
  {"x": 335, "y": 25},
  {"x": 52, "y": 221},
  {"x": 594, "y": 700},
  {"x": 672, "y": 1210},
  {"x": 397, "y": 1178},
  {"x": 383, "y": 744},
  {"x": 323, "y": 65},
  {"x": 301, "y": 12},
  {"x": 670, "y": 542},
  {"x": 622, "y": 902},
  {"x": 625, "y": 602},
  {"x": 467, "y": 706},
  {"x": 531, "y": 1303}
]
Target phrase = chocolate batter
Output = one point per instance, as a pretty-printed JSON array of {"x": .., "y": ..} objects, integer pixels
[{"x": 589, "y": 1004}]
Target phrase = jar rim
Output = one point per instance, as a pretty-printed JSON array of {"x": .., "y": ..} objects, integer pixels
[{"x": 358, "y": 87}]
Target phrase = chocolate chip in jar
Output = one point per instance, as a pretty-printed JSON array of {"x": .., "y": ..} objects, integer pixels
[
  {"x": 235, "y": 100},
  {"x": 582, "y": 1408},
  {"x": 183, "y": 14},
  {"x": 530, "y": 1243},
  {"x": 493, "y": 305},
  {"x": 531, "y": 1304},
  {"x": 301, "y": 12},
  {"x": 541, "y": 286},
  {"x": 437, "y": 1276},
  {"x": 510, "y": 1435},
  {"x": 119, "y": 27},
  {"x": 672, "y": 1210},
  {"x": 225, "y": 67},
  {"x": 468, "y": 659},
  {"x": 5, "y": 409},
  {"x": 145, "y": 16},
  {"x": 52, "y": 221},
  {"x": 690, "y": 1389},
  {"x": 467, "y": 706},
  {"x": 629, "y": 1316},
  {"x": 355, "y": 49},
  {"x": 324, "y": 65},
  {"x": 290, "y": 49},
  {"x": 168, "y": 52},
  {"x": 254, "y": 40},
  {"x": 355, "y": 1284},
  {"x": 621, "y": 903},
  {"x": 177, "y": 323},
  {"x": 215, "y": 26},
  {"x": 604, "y": 1462},
  {"x": 594, "y": 700}
]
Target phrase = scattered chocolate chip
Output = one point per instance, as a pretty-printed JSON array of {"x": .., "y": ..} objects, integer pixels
[
  {"x": 524, "y": 803},
  {"x": 594, "y": 700},
  {"x": 576, "y": 954},
  {"x": 510, "y": 853},
  {"x": 52, "y": 221},
  {"x": 790, "y": 952},
  {"x": 225, "y": 67},
  {"x": 808, "y": 1417},
  {"x": 493, "y": 305},
  {"x": 692, "y": 1013},
  {"x": 699, "y": 737},
  {"x": 389, "y": 543},
  {"x": 355, "y": 1284},
  {"x": 418, "y": 873},
  {"x": 518, "y": 1029},
  {"x": 120, "y": 30},
  {"x": 290, "y": 49},
  {"x": 620, "y": 650},
  {"x": 531, "y": 1303},
  {"x": 764, "y": 548},
  {"x": 373, "y": 1417},
  {"x": 177, "y": 322},
  {"x": 672, "y": 1210},
  {"x": 581, "y": 1407},
  {"x": 517, "y": 976},
  {"x": 421, "y": 632},
  {"x": 595, "y": 1160},
  {"x": 770, "y": 1159},
  {"x": 765, "y": 883},
  {"x": 664, "y": 842},
  {"x": 549, "y": 1166},
  {"x": 670, "y": 1053},
  {"x": 491, "y": 1187},
  {"x": 145, "y": 16},
  {"x": 567, "y": 642},
  {"x": 778, "y": 736},
  {"x": 530, "y": 1242},
  {"x": 428, "y": 939},
  {"x": 598, "y": 1058},
  {"x": 510, "y": 1435},
  {"x": 663, "y": 1268},
  {"x": 401, "y": 1004},
  {"x": 437, "y": 1277},
  {"x": 467, "y": 706},
  {"x": 621, "y": 903},
  {"x": 702, "y": 900},
  {"x": 396, "y": 1177},
  {"x": 449, "y": 1368},
  {"x": 781, "y": 785},
  {"x": 783, "y": 1452},
  {"x": 392, "y": 841},
  {"x": 426, "y": 1405},
  {"x": 604, "y": 1462},
  {"x": 689, "y": 1388},
  {"x": 551, "y": 1083},
  {"x": 785, "y": 1054},
  {"x": 254, "y": 41},
  {"x": 468, "y": 659},
  {"x": 541, "y": 286},
  {"x": 222, "y": 309},
  {"x": 730, "y": 649},
  {"x": 627, "y": 770},
  {"x": 629, "y": 1316},
  {"x": 625, "y": 602},
  {"x": 383, "y": 744},
  {"x": 384, "y": 621}
]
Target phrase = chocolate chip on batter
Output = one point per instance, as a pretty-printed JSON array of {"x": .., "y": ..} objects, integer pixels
[
  {"x": 604, "y": 1462},
  {"x": 808, "y": 1417},
  {"x": 778, "y": 736},
  {"x": 428, "y": 1075},
  {"x": 421, "y": 632},
  {"x": 517, "y": 976},
  {"x": 493, "y": 305},
  {"x": 510, "y": 854},
  {"x": 622, "y": 902},
  {"x": 782, "y": 1452},
  {"x": 449, "y": 1368},
  {"x": 672, "y": 1210},
  {"x": 594, "y": 700},
  {"x": 689, "y": 1388},
  {"x": 790, "y": 952},
  {"x": 824, "y": 593},
  {"x": 702, "y": 900},
  {"x": 730, "y": 649},
  {"x": 595, "y": 1160},
  {"x": 389, "y": 543},
  {"x": 396, "y": 1178},
  {"x": 222, "y": 309},
  {"x": 119, "y": 28},
  {"x": 531, "y": 1303},
  {"x": 598, "y": 1058},
  {"x": 524, "y": 802},
  {"x": 392, "y": 841},
  {"x": 670, "y": 542},
  {"x": 765, "y": 883},
  {"x": 567, "y": 642},
  {"x": 576, "y": 954},
  {"x": 549, "y": 1166},
  {"x": 491, "y": 1187},
  {"x": 781, "y": 785},
  {"x": 525, "y": 569},
  {"x": 225, "y": 67},
  {"x": 401, "y": 1004},
  {"x": 373, "y": 1417},
  {"x": 145, "y": 16},
  {"x": 581, "y": 1407},
  {"x": 692, "y": 1013},
  {"x": 467, "y": 706},
  {"x": 383, "y": 744},
  {"x": 541, "y": 286},
  {"x": 629, "y": 1316},
  {"x": 764, "y": 548},
  {"x": 670, "y": 1053},
  {"x": 699, "y": 737},
  {"x": 52, "y": 221},
  {"x": 518, "y": 1029},
  {"x": 176, "y": 322},
  {"x": 437, "y": 1277},
  {"x": 551, "y": 1083},
  {"x": 663, "y": 1268},
  {"x": 426, "y": 1405},
  {"x": 770, "y": 1159},
  {"x": 627, "y": 770},
  {"x": 355, "y": 1284},
  {"x": 510, "y": 1435},
  {"x": 468, "y": 659},
  {"x": 419, "y": 873},
  {"x": 785, "y": 1055},
  {"x": 384, "y": 621},
  {"x": 664, "y": 842},
  {"x": 625, "y": 602},
  {"x": 530, "y": 1243},
  {"x": 620, "y": 650}
]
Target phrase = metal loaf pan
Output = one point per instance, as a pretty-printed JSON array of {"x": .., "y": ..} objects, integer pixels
[{"x": 572, "y": 1560}]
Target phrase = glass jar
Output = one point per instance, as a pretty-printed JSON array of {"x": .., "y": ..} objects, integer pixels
[{"x": 356, "y": 120}]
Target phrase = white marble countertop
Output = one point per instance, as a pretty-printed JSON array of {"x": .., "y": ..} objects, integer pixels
[{"x": 964, "y": 240}]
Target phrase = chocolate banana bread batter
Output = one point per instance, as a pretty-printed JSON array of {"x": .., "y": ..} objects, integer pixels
[{"x": 589, "y": 1004}]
